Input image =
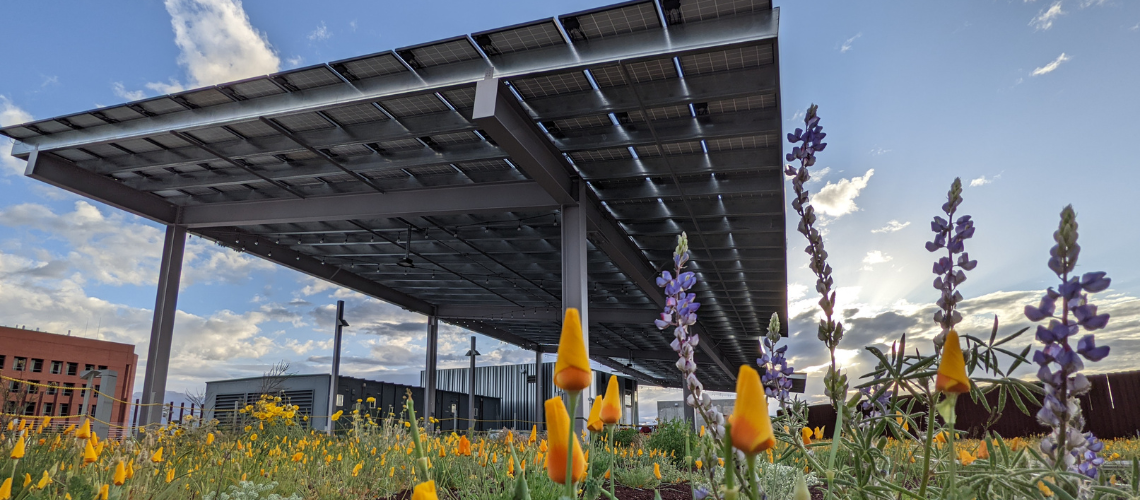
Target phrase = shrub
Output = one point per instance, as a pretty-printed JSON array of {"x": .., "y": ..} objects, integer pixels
[
  {"x": 625, "y": 437},
  {"x": 669, "y": 438}
]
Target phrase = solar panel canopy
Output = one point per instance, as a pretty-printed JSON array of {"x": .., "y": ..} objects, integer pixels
[{"x": 436, "y": 176}]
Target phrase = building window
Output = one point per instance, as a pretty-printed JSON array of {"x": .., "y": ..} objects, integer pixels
[
  {"x": 37, "y": 365},
  {"x": 73, "y": 369},
  {"x": 56, "y": 367},
  {"x": 21, "y": 364},
  {"x": 52, "y": 388},
  {"x": 102, "y": 367},
  {"x": 83, "y": 391},
  {"x": 88, "y": 368},
  {"x": 13, "y": 386},
  {"x": 64, "y": 409},
  {"x": 33, "y": 387},
  {"x": 49, "y": 410},
  {"x": 1, "y": 362},
  {"x": 29, "y": 408},
  {"x": 91, "y": 411},
  {"x": 68, "y": 388}
]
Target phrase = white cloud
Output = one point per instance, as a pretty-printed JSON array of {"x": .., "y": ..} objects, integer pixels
[
  {"x": 1049, "y": 68},
  {"x": 217, "y": 42},
  {"x": 321, "y": 33},
  {"x": 837, "y": 200},
  {"x": 847, "y": 44},
  {"x": 10, "y": 114},
  {"x": 875, "y": 257},
  {"x": 295, "y": 61},
  {"x": 983, "y": 180},
  {"x": 879, "y": 151},
  {"x": 166, "y": 88},
  {"x": 818, "y": 175},
  {"x": 1135, "y": 27},
  {"x": 891, "y": 227},
  {"x": 1044, "y": 19},
  {"x": 130, "y": 95}
]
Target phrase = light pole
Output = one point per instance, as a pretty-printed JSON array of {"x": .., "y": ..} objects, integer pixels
[
  {"x": 471, "y": 393},
  {"x": 333, "y": 384}
]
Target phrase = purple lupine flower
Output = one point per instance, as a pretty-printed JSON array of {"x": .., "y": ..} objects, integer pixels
[
  {"x": 773, "y": 364},
  {"x": 681, "y": 313},
  {"x": 951, "y": 271},
  {"x": 830, "y": 331},
  {"x": 1067, "y": 446}
]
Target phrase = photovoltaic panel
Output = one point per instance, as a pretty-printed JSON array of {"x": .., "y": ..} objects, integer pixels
[
  {"x": 206, "y": 98},
  {"x": 123, "y": 113},
  {"x": 401, "y": 145},
  {"x": 384, "y": 64},
  {"x": 300, "y": 155},
  {"x": 414, "y": 105},
  {"x": 104, "y": 150},
  {"x": 441, "y": 53},
  {"x": 612, "y": 22},
  {"x": 138, "y": 146},
  {"x": 683, "y": 148},
  {"x": 358, "y": 113},
  {"x": 161, "y": 106},
  {"x": 456, "y": 138},
  {"x": 212, "y": 135},
  {"x": 351, "y": 150},
  {"x": 261, "y": 160},
  {"x": 20, "y": 132},
  {"x": 699, "y": 10},
  {"x": 581, "y": 122},
  {"x": 462, "y": 98},
  {"x": 52, "y": 126},
  {"x": 387, "y": 174},
  {"x": 748, "y": 142},
  {"x": 431, "y": 170},
  {"x": 663, "y": 113},
  {"x": 86, "y": 120},
  {"x": 312, "y": 78},
  {"x": 170, "y": 141},
  {"x": 484, "y": 166},
  {"x": 742, "y": 103},
  {"x": 542, "y": 86},
  {"x": 601, "y": 155},
  {"x": 534, "y": 36},
  {"x": 724, "y": 60},
  {"x": 645, "y": 71},
  {"x": 608, "y": 76},
  {"x": 303, "y": 121},
  {"x": 74, "y": 155},
  {"x": 256, "y": 88},
  {"x": 253, "y": 128}
]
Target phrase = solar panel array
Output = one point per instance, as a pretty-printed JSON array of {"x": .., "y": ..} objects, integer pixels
[{"x": 682, "y": 142}]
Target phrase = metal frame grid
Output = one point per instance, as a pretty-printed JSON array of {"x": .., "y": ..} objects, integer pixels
[{"x": 381, "y": 148}]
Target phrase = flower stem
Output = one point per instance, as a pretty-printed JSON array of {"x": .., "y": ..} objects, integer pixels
[
  {"x": 927, "y": 444},
  {"x": 573, "y": 406},
  {"x": 753, "y": 485},
  {"x": 613, "y": 451}
]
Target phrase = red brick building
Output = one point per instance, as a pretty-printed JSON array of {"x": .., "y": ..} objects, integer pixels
[{"x": 58, "y": 361}]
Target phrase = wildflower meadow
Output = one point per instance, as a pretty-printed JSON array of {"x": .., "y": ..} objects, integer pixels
[{"x": 884, "y": 443}]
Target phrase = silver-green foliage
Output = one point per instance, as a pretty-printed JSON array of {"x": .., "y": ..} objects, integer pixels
[{"x": 248, "y": 490}]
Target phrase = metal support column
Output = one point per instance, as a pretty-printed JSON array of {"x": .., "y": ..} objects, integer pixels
[
  {"x": 334, "y": 382},
  {"x": 430, "y": 371},
  {"x": 471, "y": 392},
  {"x": 575, "y": 286},
  {"x": 539, "y": 400},
  {"x": 162, "y": 327}
]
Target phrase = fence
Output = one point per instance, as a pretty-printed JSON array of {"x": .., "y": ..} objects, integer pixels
[{"x": 1110, "y": 410}]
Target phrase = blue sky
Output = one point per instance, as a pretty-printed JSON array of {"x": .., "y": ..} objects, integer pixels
[{"x": 1031, "y": 103}]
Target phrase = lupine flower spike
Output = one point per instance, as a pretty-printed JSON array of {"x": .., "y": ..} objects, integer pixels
[{"x": 1067, "y": 447}]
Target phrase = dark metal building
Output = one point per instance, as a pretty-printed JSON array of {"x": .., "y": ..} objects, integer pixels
[
  {"x": 489, "y": 180},
  {"x": 515, "y": 385},
  {"x": 311, "y": 394}
]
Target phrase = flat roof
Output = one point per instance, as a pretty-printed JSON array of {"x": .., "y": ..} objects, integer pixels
[{"x": 659, "y": 117}]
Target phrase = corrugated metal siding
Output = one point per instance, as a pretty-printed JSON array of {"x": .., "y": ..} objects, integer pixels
[{"x": 508, "y": 383}]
